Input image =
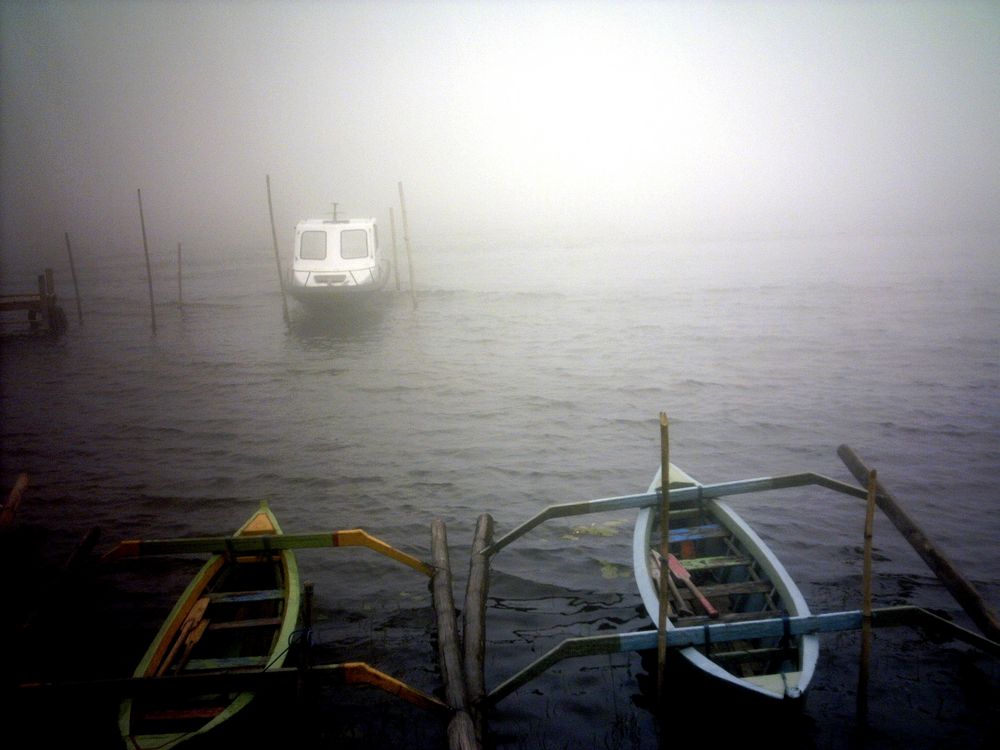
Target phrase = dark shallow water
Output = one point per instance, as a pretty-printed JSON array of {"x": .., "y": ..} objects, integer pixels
[{"x": 526, "y": 376}]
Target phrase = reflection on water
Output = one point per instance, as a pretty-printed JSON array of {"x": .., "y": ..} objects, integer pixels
[{"x": 344, "y": 319}]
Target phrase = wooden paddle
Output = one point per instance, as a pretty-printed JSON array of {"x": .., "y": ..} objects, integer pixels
[
  {"x": 678, "y": 570},
  {"x": 190, "y": 642},
  {"x": 656, "y": 560},
  {"x": 194, "y": 617}
]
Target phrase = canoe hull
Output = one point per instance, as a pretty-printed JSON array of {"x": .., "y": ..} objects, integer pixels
[
  {"x": 714, "y": 535},
  {"x": 237, "y": 613}
]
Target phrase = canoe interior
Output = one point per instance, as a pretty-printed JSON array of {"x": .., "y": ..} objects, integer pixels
[
  {"x": 743, "y": 581},
  {"x": 235, "y": 615}
]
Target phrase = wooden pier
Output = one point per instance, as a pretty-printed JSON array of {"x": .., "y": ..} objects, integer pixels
[{"x": 44, "y": 313}]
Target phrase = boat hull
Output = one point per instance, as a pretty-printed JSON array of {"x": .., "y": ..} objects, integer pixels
[
  {"x": 304, "y": 289},
  {"x": 742, "y": 579},
  {"x": 237, "y": 614}
]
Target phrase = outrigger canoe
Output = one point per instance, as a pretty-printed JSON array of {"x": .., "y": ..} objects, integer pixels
[
  {"x": 237, "y": 614},
  {"x": 721, "y": 572}
]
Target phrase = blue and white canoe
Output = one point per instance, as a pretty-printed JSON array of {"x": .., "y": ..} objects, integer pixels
[{"x": 717, "y": 556}]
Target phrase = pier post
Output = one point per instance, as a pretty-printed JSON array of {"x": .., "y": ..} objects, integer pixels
[
  {"x": 43, "y": 300},
  {"x": 277, "y": 257},
  {"x": 395, "y": 255},
  {"x": 76, "y": 287},
  {"x": 180, "y": 285},
  {"x": 461, "y": 730},
  {"x": 149, "y": 272},
  {"x": 406, "y": 240},
  {"x": 474, "y": 621}
]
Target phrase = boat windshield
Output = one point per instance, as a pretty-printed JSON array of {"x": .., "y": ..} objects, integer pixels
[
  {"x": 313, "y": 245},
  {"x": 353, "y": 243}
]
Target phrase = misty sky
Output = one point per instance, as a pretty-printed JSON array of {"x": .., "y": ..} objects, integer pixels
[{"x": 655, "y": 118}]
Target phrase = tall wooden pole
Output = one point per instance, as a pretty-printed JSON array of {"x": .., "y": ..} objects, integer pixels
[
  {"x": 180, "y": 286},
  {"x": 149, "y": 272},
  {"x": 866, "y": 599},
  {"x": 76, "y": 287},
  {"x": 277, "y": 257},
  {"x": 395, "y": 255},
  {"x": 461, "y": 729},
  {"x": 661, "y": 640},
  {"x": 474, "y": 620},
  {"x": 406, "y": 240}
]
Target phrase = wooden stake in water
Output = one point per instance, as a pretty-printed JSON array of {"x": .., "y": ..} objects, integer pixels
[
  {"x": 406, "y": 240},
  {"x": 76, "y": 288},
  {"x": 180, "y": 287},
  {"x": 661, "y": 640},
  {"x": 395, "y": 256},
  {"x": 149, "y": 272},
  {"x": 986, "y": 619},
  {"x": 277, "y": 257},
  {"x": 474, "y": 620},
  {"x": 866, "y": 599}
]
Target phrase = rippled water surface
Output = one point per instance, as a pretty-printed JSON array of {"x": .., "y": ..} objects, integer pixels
[{"x": 525, "y": 376}]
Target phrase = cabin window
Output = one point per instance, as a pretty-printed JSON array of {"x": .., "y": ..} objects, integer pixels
[
  {"x": 354, "y": 243},
  {"x": 313, "y": 246}
]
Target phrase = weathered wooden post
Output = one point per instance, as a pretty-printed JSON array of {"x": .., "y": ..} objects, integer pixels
[
  {"x": 461, "y": 730},
  {"x": 53, "y": 313},
  {"x": 866, "y": 601},
  {"x": 395, "y": 255},
  {"x": 277, "y": 257},
  {"x": 149, "y": 272},
  {"x": 406, "y": 240},
  {"x": 76, "y": 287},
  {"x": 474, "y": 622},
  {"x": 661, "y": 638}
]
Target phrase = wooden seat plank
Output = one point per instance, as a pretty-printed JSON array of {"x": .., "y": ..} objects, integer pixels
[
  {"x": 230, "y": 597},
  {"x": 696, "y": 533},
  {"x": 259, "y": 622},
  {"x": 720, "y": 561},
  {"x": 232, "y": 662},
  {"x": 181, "y": 714},
  {"x": 742, "y": 587}
]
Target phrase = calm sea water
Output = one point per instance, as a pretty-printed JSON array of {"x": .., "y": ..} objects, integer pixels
[{"x": 527, "y": 375}]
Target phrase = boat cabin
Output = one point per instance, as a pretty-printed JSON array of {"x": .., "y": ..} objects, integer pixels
[{"x": 335, "y": 257}]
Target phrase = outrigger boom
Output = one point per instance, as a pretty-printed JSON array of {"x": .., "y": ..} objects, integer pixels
[
  {"x": 263, "y": 543},
  {"x": 775, "y": 627},
  {"x": 678, "y": 497}
]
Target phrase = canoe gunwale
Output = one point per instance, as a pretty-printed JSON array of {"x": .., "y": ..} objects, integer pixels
[{"x": 210, "y": 572}]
